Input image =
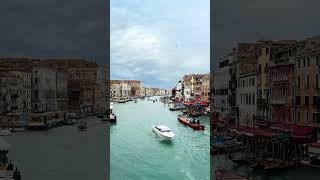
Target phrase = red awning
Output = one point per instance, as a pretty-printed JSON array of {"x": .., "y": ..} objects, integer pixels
[
  {"x": 298, "y": 130},
  {"x": 202, "y": 103},
  {"x": 315, "y": 145},
  {"x": 302, "y": 130},
  {"x": 256, "y": 132}
]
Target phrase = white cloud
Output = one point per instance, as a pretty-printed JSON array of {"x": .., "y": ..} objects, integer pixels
[{"x": 157, "y": 42}]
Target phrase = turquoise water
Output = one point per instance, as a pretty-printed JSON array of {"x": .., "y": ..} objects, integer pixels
[{"x": 137, "y": 154}]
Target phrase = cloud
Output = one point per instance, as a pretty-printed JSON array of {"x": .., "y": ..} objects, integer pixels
[
  {"x": 247, "y": 20},
  {"x": 159, "y": 39},
  {"x": 50, "y": 28}
]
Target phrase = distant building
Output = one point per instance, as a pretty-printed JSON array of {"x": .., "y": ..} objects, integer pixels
[
  {"x": 205, "y": 88},
  {"x": 62, "y": 90},
  {"x": 44, "y": 97},
  {"x": 187, "y": 87},
  {"x": 179, "y": 90}
]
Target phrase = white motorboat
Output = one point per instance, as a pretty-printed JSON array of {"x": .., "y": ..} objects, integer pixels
[
  {"x": 82, "y": 125},
  {"x": 163, "y": 132}
]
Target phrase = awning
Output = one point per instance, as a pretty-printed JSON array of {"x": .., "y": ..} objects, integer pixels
[
  {"x": 203, "y": 103},
  {"x": 254, "y": 131},
  {"x": 302, "y": 130},
  {"x": 314, "y": 145},
  {"x": 297, "y": 130}
]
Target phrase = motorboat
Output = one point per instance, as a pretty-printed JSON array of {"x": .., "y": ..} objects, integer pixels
[
  {"x": 163, "y": 132},
  {"x": 122, "y": 101},
  {"x": 82, "y": 125},
  {"x": 135, "y": 101},
  {"x": 194, "y": 124},
  {"x": 69, "y": 121},
  {"x": 176, "y": 107},
  {"x": 113, "y": 118},
  {"x": 194, "y": 114}
]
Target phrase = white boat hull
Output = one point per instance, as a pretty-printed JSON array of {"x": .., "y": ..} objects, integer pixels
[{"x": 161, "y": 135}]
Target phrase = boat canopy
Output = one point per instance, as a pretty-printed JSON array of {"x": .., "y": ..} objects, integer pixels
[
  {"x": 111, "y": 107},
  {"x": 163, "y": 128}
]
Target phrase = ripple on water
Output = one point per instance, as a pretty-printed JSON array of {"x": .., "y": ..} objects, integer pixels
[{"x": 137, "y": 153}]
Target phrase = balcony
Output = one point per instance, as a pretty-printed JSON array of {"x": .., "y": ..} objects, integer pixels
[
  {"x": 279, "y": 101},
  {"x": 262, "y": 102},
  {"x": 262, "y": 118},
  {"x": 278, "y": 79},
  {"x": 286, "y": 60}
]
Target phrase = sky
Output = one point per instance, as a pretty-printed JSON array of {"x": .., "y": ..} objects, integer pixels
[
  {"x": 157, "y": 42},
  {"x": 252, "y": 20},
  {"x": 54, "y": 29}
]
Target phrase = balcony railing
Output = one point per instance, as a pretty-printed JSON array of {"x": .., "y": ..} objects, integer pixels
[
  {"x": 279, "y": 101},
  {"x": 262, "y": 101}
]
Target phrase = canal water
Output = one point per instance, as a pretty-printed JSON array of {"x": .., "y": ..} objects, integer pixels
[
  {"x": 61, "y": 153},
  {"x": 136, "y": 153},
  {"x": 301, "y": 173}
]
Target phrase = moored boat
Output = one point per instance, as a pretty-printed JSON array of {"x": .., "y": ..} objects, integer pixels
[
  {"x": 223, "y": 174},
  {"x": 7, "y": 168},
  {"x": 163, "y": 132},
  {"x": 194, "y": 114},
  {"x": 5, "y": 132},
  {"x": 194, "y": 124},
  {"x": 69, "y": 120},
  {"x": 185, "y": 111}
]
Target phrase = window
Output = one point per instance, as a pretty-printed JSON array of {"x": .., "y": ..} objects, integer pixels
[
  {"x": 249, "y": 99},
  {"x": 314, "y": 100},
  {"x": 299, "y": 61},
  {"x": 317, "y": 81},
  {"x": 246, "y": 98},
  {"x": 35, "y": 80},
  {"x": 304, "y": 62},
  {"x": 298, "y": 116},
  {"x": 307, "y": 116},
  {"x": 267, "y": 51},
  {"x": 298, "y": 100},
  {"x": 35, "y": 95},
  {"x": 259, "y": 68},
  {"x": 306, "y": 100},
  {"x": 253, "y": 100},
  {"x": 317, "y": 60},
  {"x": 308, "y": 61},
  {"x": 252, "y": 81},
  {"x": 307, "y": 81},
  {"x": 298, "y": 81}
]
